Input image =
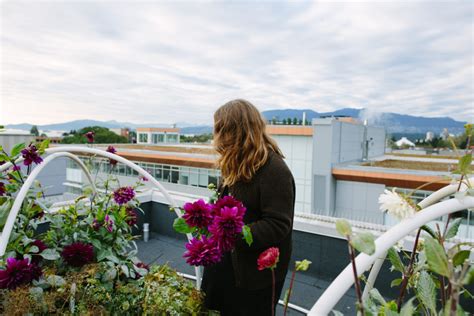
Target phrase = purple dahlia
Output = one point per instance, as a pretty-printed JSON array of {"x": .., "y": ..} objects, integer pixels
[
  {"x": 202, "y": 252},
  {"x": 90, "y": 136},
  {"x": 78, "y": 254},
  {"x": 132, "y": 217},
  {"x": 198, "y": 214},
  {"x": 18, "y": 272},
  {"x": 225, "y": 227},
  {"x": 228, "y": 201},
  {"x": 124, "y": 195},
  {"x": 3, "y": 190},
  {"x": 31, "y": 155},
  {"x": 112, "y": 150}
]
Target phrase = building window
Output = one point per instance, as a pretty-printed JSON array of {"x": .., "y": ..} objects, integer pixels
[
  {"x": 143, "y": 138},
  {"x": 171, "y": 138}
]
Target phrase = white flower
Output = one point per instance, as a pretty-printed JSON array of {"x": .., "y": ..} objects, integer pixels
[{"x": 395, "y": 205}]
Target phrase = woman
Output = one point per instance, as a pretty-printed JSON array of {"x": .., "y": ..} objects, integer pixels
[{"x": 254, "y": 172}]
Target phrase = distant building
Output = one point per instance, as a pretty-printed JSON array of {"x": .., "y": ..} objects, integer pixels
[
  {"x": 11, "y": 137},
  {"x": 152, "y": 135},
  {"x": 429, "y": 136},
  {"x": 444, "y": 134},
  {"x": 121, "y": 131},
  {"x": 404, "y": 142}
]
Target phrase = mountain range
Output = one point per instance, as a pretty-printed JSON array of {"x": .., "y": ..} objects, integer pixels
[{"x": 393, "y": 122}]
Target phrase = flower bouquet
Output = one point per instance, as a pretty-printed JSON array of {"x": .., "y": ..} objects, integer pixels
[{"x": 214, "y": 226}]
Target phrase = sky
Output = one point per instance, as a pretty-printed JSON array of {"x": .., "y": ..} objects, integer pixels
[{"x": 176, "y": 61}]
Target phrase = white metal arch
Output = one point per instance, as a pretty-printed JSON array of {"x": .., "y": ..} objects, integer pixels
[
  {"x": 66, "y": 151},
  {"x": 344, "y": 280}
]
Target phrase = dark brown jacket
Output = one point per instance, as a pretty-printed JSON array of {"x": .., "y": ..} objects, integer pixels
[{"x": 270, "y": 199}]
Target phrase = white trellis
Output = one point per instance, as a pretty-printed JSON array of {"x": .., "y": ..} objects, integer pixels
[
  {"x": 67, "y": 151},
  {"x": 432, "y": 208}
]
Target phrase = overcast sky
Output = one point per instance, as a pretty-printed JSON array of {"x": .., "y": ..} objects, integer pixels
[{"x": 166, "y": 62}]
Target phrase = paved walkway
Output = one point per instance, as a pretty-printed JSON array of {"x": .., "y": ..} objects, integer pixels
[{"x": 162, "y": 249}]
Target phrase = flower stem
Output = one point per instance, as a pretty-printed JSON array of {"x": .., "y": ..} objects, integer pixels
[
  {"x": 356, "y": 278},
  {"x": 409, "y": 272},
  {"x": 289, "y": 291},
  {"x": 273, "y": 292}
]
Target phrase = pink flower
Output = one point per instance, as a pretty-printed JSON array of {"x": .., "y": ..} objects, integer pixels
[
  {"x": 197, "y": 214},
  {"x": 112, "y": 150},
  {"x": 225, "y": 227},
  {"x": 268, "y": 259},
  {"x": 124, "y": 195},
  {"x": 78, "y": 254},
  {"x": 90, "y": 136},
  {"x": 18, "y": 272},
  {"x": 202, "y": 252},
  {"x": 30, "y": 154}
]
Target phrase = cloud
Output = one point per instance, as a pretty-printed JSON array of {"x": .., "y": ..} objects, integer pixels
[{"x": 176, "y": 61}]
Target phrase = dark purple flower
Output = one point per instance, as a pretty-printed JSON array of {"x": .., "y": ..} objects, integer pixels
[
  {"x": 31, "y": 155},
  {"x": 90, "y": 136},
  {"x": 141, "y": 265},
  {"x": 228, "y": 201},
  {"x": 18, "y": 272},
  {"x": 112, "y": 150},
  {"x": 225, "y": 227},
  {"x": 36, "y": 258},
  {"x": 3, "y": 190},
  {"x": 124, "y": 195},
  {"x": 78, "y": 254},
  {"x": 95, "y": 224},
  {"x": 132, "y": 217},
  {"x": 202, "y": 252},
  {"x": 144, "y": 179},
  {"x": 38, "y": 215},
  {"x": 109, "y": 223},
  {"x": 198, "y": 214},
  {"x": 16, "y": 168}
]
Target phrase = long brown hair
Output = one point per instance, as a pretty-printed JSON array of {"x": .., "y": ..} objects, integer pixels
[{"x": 241, "y": 140}]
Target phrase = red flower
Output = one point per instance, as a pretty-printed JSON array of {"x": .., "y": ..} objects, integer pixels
[
  {"x": 112, "y": 150},
  {"x": 268, "y": 259},
  {"x": 78, "y": 254},
  {"x": 197, "y": 214},
  {"x": 90, "y": 136},
  {"x": 18, "y": 272}
]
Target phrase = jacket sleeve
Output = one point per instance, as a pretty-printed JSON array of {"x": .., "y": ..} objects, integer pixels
[{"x": 277, "y": 199}]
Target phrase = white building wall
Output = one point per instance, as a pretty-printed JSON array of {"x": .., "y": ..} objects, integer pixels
[{"x": 298, "y": 152}]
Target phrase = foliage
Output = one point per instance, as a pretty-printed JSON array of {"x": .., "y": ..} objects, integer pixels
[
  {"x": 34, "y": 130},
  {"x": 85, "y": 253},
  {"x": 102, "y": 135},
  {"x": 203, "y": 138}
]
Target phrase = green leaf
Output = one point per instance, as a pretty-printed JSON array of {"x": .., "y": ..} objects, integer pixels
[
  {"x": 460, "y": 257},
  {"x": 181, "y": 226},
  {"x": 396, "y": 282},
  {"x": 125, "y": 270},
  {"x": 16, "y": 150},
  {"x": 109, "y": 275},
  {"x": 50, "y": 254},
  {"x": 469, "y": 279},
  {"x": 426, "y": 291},
  {"x": 407, "y": 308},
  {"x": 34, "y": 249},
  {"x": 453, "y": 228},
  {"x": 55, "y": 281},
  {"x": 302, "y": 265},
  {"x": 375, "y": 294},
  {"x": 436, "y": 257},
  {"x": 104, "y": 253},
  {"x": 5, "y": 208},
  {"x": 43, "y": 145},
  {"x": 3, "y": 157},
  {"x": 395, "y": 260},
  {"x": 287, "y": 297},
  {"x": 364, "y": 242},
  {"x": 113, "y": 258},
  {"x": 343, "y": 227},
  {"x": 464, "y": 164},
  {"x": 429, "y": 230},
  {"x": 247, "y": 235}
]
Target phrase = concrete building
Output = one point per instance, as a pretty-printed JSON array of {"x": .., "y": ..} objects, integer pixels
[
  {"x": 152, "y": 135},
  {"x": 11, "y": 137}
]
